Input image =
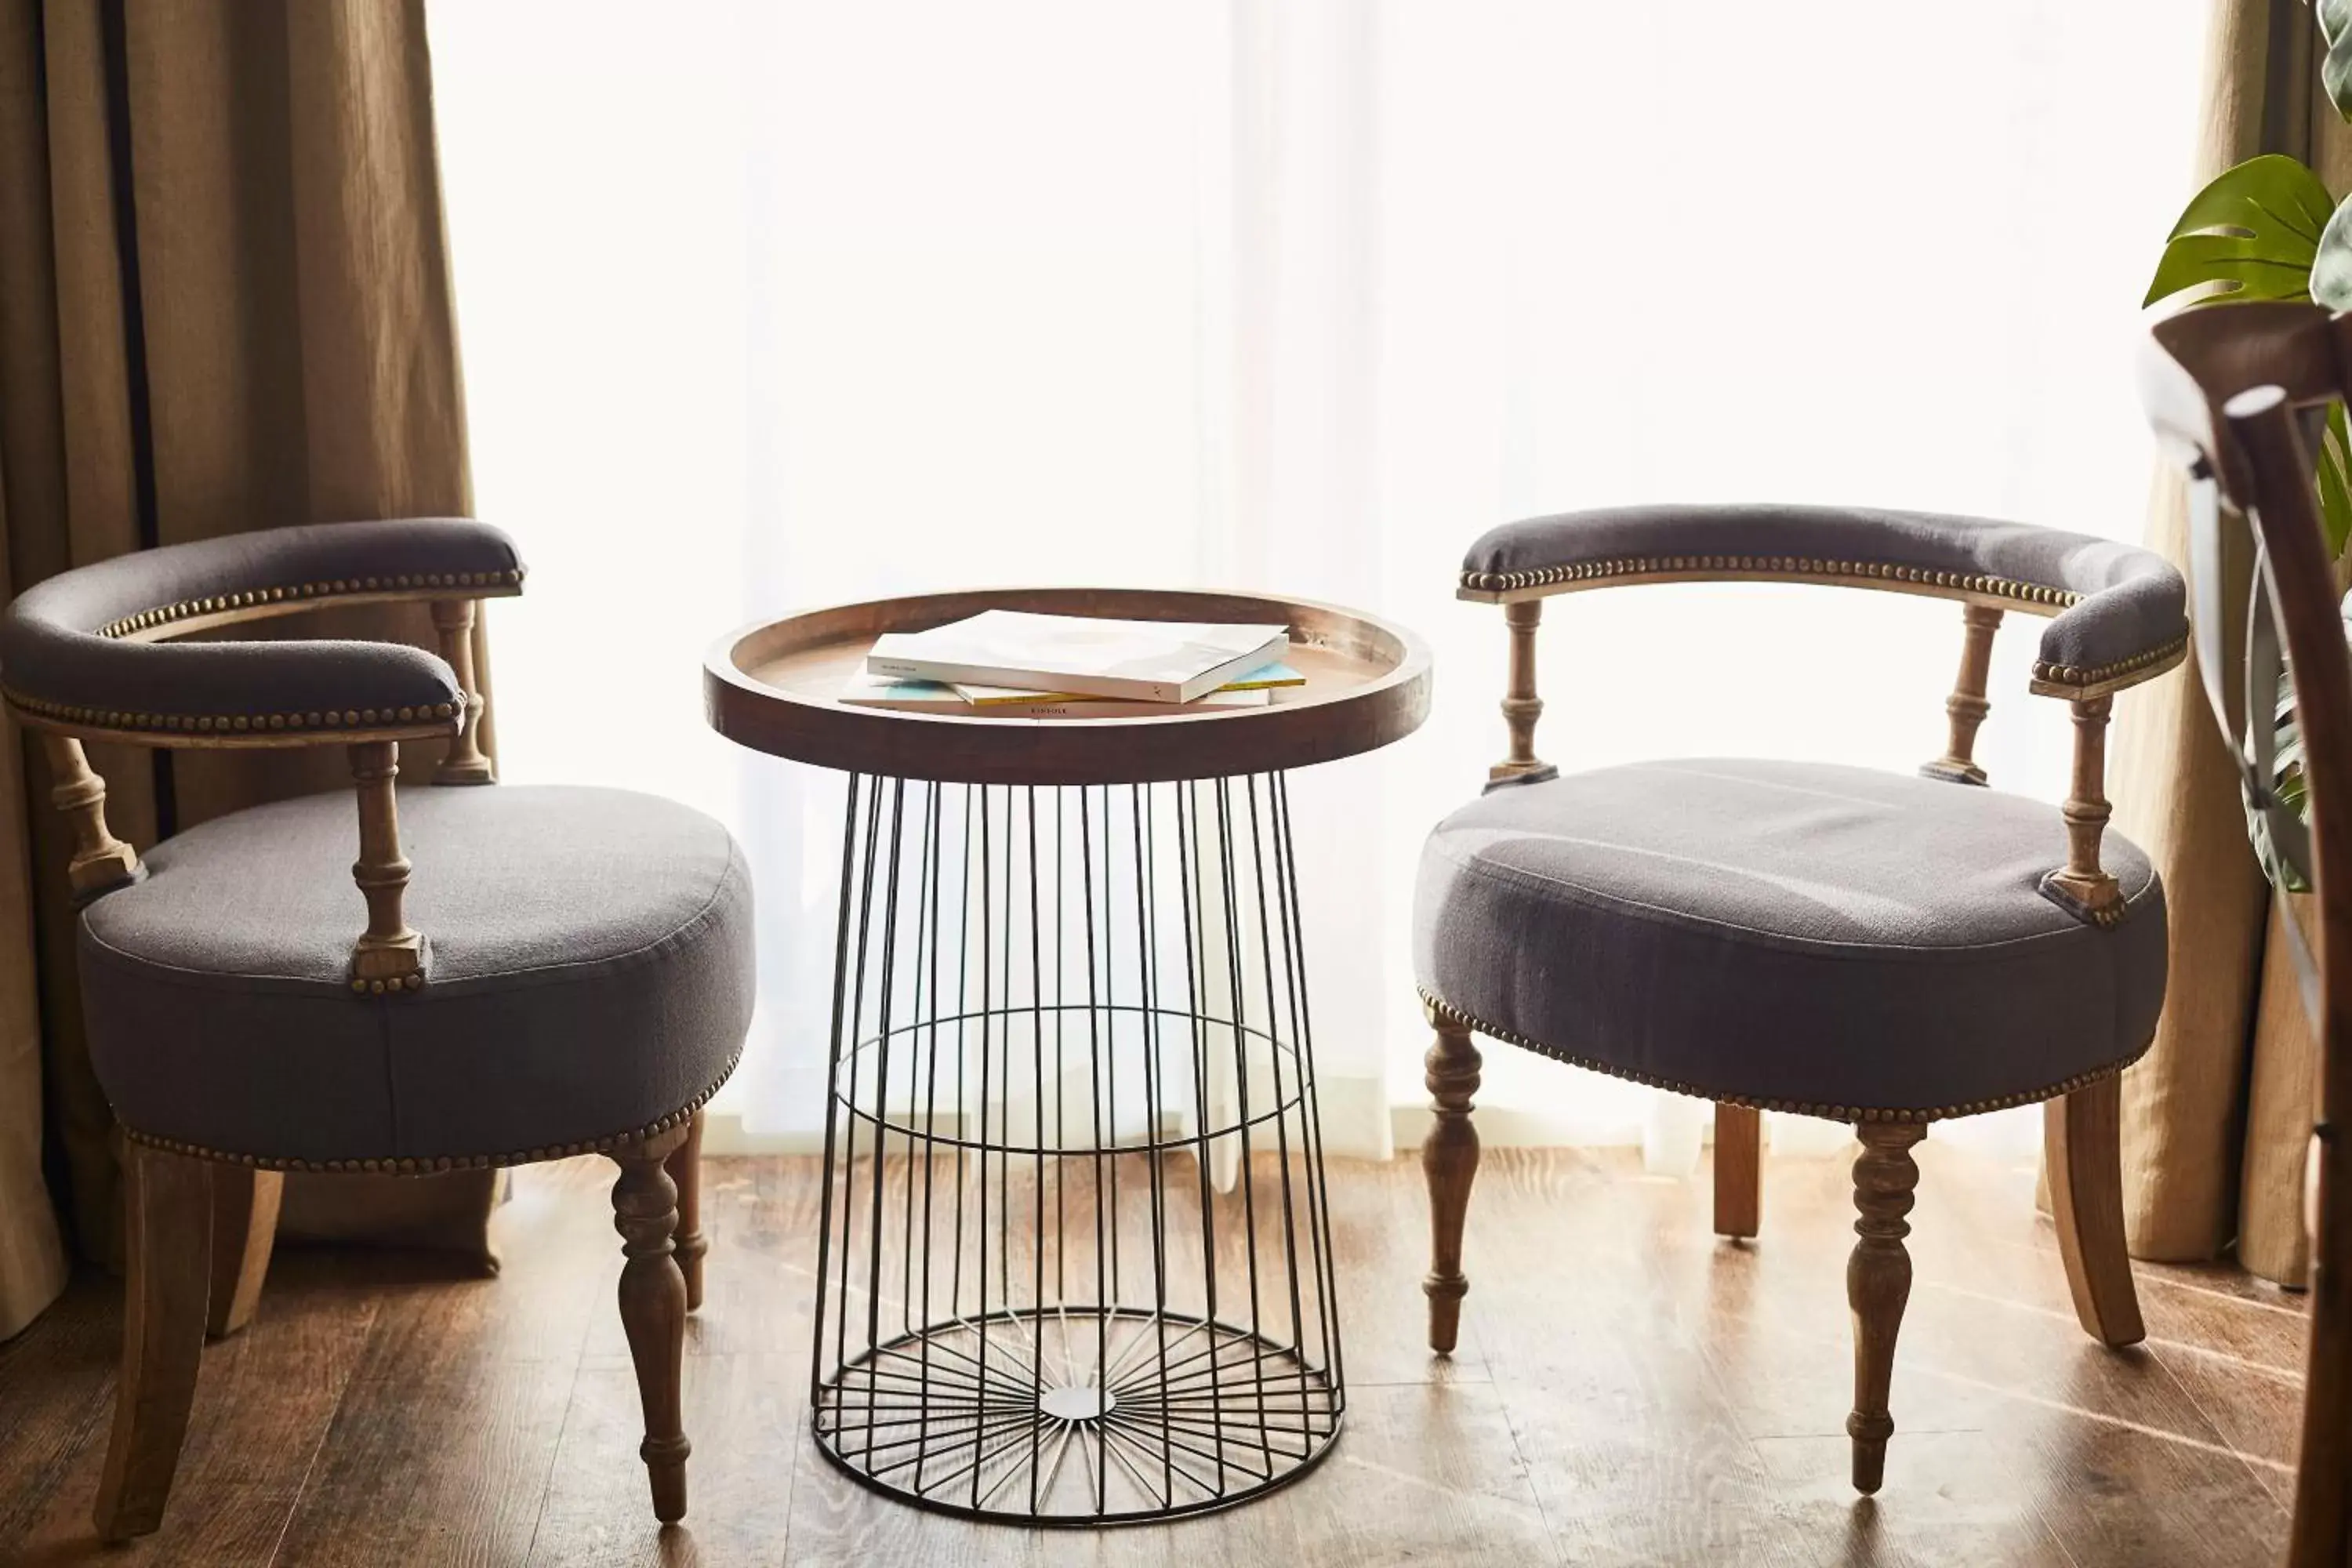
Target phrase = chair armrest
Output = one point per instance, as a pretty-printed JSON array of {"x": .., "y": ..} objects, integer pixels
[
  {"x": 2119, "y": 611},
  {"x": 91, "y": 649}
]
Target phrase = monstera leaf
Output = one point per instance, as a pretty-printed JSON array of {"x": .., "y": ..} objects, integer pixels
[
  {"x": 2286, "y": 783},
  {"x": 2335, "y": 481},
  {"x": 2331, "y": 272},
  {"x": 2336, "y": 71},
  {"x": 2255, "y": 231},
  {"x": 2331, "y": 268}
]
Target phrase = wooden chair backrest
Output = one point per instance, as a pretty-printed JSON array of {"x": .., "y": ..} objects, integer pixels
[{"x": 2239, "y": 394}]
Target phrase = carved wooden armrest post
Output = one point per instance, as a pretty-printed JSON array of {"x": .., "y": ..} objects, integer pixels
[
  {"x": 1521, "y": 706},
  {"x": 388, "y": 956},
  {"x": 100, "y": 861},
  {"x": 1967, "y": 706},
  {"x": 2083, "y": 886},
  {"x": 465, "y": 762}
]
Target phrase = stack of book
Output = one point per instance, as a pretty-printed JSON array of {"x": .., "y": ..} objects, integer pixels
[{"x": 1010, "y": 664}]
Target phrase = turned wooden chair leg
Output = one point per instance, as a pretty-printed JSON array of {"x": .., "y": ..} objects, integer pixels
[
  {"x": 2082, "y": 1144},
  {"x": 245, "y": 1229},
  {"x": 1738, "y": 1170},
  {"x": 1879, "y": 1284},
  {"x": 2320, "y": 1535},
  {"x": 167, "y": 1212},
  {"x": 685, "y": 1167},
  {"x": 653, "y": 1308},
  {"x": 1449, "y": 1162}
]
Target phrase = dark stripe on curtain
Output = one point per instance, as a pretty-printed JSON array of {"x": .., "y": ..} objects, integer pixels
[
  {"x": 113, "y": 28},
  {"x": 2287, "y": 74}
]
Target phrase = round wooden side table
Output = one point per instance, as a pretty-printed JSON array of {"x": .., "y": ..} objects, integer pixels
[{"x": 1075, "y": 1263}]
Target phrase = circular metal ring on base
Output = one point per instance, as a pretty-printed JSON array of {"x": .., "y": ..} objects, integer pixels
[{"x": 1078, "y": 1416}]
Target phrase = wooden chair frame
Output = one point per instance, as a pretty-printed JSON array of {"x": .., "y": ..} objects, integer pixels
[
  {"x": 2229, "y": 391},
  {"x": 2081, "y": 1128},
  {"x": 199, "y": 1231}
]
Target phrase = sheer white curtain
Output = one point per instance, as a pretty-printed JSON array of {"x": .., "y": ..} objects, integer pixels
[{"x": 768, "y": 305}]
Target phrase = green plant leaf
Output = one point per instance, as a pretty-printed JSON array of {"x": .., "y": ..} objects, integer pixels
[
  {"x": 2287, "y": 783},
  {"x": 2336, "y": 71},
  {"x": 2255, "y": 231},
  {"x": 2286, "y": 763},
  {"x": 2331, "y": 265},
  {"x": 2336, "y": 477}
]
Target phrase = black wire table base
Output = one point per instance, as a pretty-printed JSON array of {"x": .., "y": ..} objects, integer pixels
[
  {"x": 1079, "y": 1417},
  {"x": 1075, "y": 1262}
]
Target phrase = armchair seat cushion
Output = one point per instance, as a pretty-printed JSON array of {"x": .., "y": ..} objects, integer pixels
[
  {"x": 1829, "y": 940},
  {"x": 589, "y": 975}
]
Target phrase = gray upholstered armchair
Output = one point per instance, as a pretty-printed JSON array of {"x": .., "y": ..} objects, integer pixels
[
  {"x": 500, "y": 976},
  {"x": 1878, "y": 949}
]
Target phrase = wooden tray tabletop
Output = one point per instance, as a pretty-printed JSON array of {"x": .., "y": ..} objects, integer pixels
[{"x": 771, "y": 687}]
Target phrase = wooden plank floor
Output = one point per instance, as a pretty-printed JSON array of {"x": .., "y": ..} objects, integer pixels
[{"x": 1628, "y": 1391}]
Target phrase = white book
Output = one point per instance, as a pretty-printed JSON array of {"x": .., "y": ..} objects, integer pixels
[
  {"x": 864, "y": 690},
  {"x": 1081, "y": 655},
  {"x": 1267, "y": 678}
]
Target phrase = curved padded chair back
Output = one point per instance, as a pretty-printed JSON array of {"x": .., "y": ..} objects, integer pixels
[
  {"x": 2115, "y": 608},
  {"x": 95, "y": 647},
  {"x": 2237, "y": 394},
  {"x": 92, "y": 655}
]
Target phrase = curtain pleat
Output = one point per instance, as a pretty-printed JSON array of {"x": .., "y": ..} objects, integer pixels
[
  {"x": 32, "y": 1254},
  {"x": 2281, "y": 1082},
  {"x": 225, "y": 305},
  {"x": 2217, "y": 1116}
]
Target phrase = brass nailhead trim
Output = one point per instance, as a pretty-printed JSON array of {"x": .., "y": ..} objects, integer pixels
[
  {"x": 164, "y": 614},
  {"x": 2083, "y": 675},
  {"x": 378, "y": 987},
  {"x": 1770, "y": 565},
  {"x": 1808, "y": 566},
  {"x": 412, "y": 1167},
  {"x": 1797, "y": 1107},
  {"x": 209, "y": 724}
]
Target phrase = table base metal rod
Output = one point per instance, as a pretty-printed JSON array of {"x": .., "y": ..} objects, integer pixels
[{"x": 1075, "y": 1263}]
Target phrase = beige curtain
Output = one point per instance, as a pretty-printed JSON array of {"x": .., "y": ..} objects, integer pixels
[
  {"x": 32, "y": 1256},
  {"x": 224, "y": 305},
  {"x": 2216, "y": 1118}
]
